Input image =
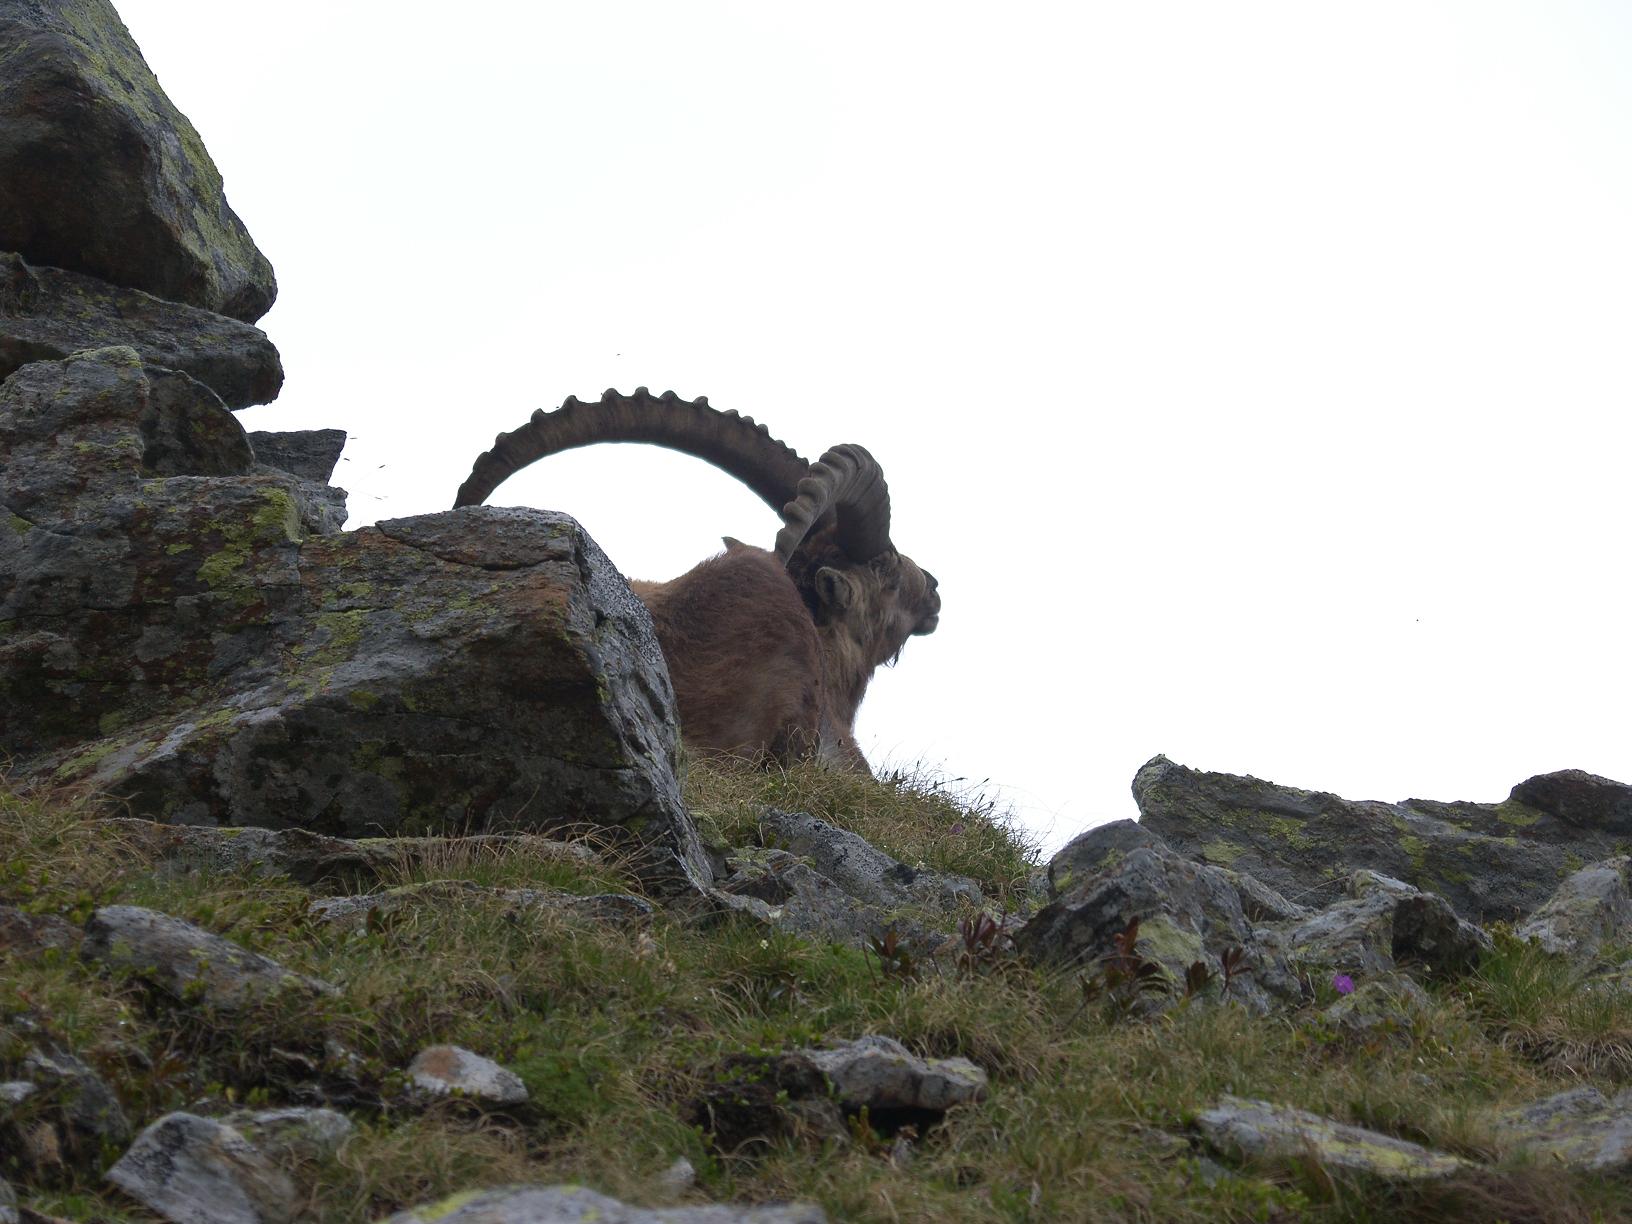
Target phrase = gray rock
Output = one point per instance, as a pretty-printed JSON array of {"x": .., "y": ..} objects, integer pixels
[
  {"x": 449, "y": 1071},
  {"x": 1098, "y": 850},
  {"x": 1578, "y": 1128},
  {"x": 308, "y": 453},
  {"x": 1580, "y": 799},
  {"x": 15, "y": 1092},
  {"x": 1489, "y": 861},
  {"x": 48, "y": 313},
  {"x": 879, "y": 1073},
  {"x": 1385, "y": 923},
  {"x": 193, "y": 1170},
  {"x": 783, "y": 891},
  {"x": 1590, "y": 907},
  {"x": 678, "y": 1177},
  {"x": 620, "y": 909},
  {"x": 1187, "y": 912},
  {"x": 100, "y": 173},
  {"x": 189, "y": 963},
  {"x": 577, "y": 1205},
  {"x": 1384, "y": 1003},
  {"x": 1259, "y": 1130},
  {"x": 293, "y": 1134},
  {"x": 80, "y": 1098},
  {"x": 865, "y": 873},
  {"x": 187, "y": 643}
]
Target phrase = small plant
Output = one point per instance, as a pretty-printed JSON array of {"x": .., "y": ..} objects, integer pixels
[
  {"x": 1233, "y": 960},
  {"x": 981, "y": 949},
  {"x": 1124, "y": 977},
  {"x": 893, "y": 959}
]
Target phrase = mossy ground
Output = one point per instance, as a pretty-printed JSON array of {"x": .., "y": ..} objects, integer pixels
[{"x": 612, "y": 1030}]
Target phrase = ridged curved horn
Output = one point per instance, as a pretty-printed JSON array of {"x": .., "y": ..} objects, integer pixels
[
  {"x": 733, "y": 443},
  {"x": 847, "y": 483}
]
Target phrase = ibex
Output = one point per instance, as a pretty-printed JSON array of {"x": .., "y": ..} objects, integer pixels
[{"x": 770, "y": 652}]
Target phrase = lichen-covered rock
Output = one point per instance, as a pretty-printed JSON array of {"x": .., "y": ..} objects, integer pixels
[
  {"x": 878, "y": 1074},
  {"x": 47, "y": 313},
  {"x": 1384, "y": 923},
  {"x": 187, "y": 642},
  {"x": 449, "y": 1071},
  {"x": 100, "y": 173},
  {"x": 1187, "y": 912},
  {"x": 1259, "y": 1130},
  {"x": 193, "y": 1170},
  {"x": 1590, "y": 907},
  {"x": 189, "y": 963},
  {"x": 310, "y": 456},
  {"x": 293, "y": 1134},
  {"x": 577, "y": 1205},
  {"x": 1490, "y": 861},
  {"x": 1579, "y": 799},
  {"x": 1579, "y": 1128},
  {"x": 617, "y": 909},
  {"x": 783, "y": 891},
  {"x": 1388, "y": 1003},
  {"x": 864, "y": 872}
]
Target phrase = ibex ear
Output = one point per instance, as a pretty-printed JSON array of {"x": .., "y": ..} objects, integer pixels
[
  {"x": 732, "y": 542},
  {"x": 834, "y": 588}
]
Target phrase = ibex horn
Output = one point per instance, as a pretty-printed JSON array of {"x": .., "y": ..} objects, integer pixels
[{"x": 847, "y": 483}]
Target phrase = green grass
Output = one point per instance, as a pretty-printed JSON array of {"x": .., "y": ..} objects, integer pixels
[{"x": 615, "y": 1030}]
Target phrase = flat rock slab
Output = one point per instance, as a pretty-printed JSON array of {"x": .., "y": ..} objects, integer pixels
[
  {"x": 863, "y": 871},
  {"x": 449, "y": 1071},
  {"x": 577, "y": 1205},
  {"x": 101, "y": 174},
  {"x": 1590, "y": 907},
  {"x": 189, "y": 963},
  {"x": 1490, "y": 861},
  {"x": 1580, "y": 1128},
  {"x": 48, "y": 313},
  {"x": 308, "y": 453},
  {"x": 193, "y": 1170},
  {"x": 617, "y": 909},
  {"x": 879, "y": 1073},
  {"x": 1259, "y": 1130}
]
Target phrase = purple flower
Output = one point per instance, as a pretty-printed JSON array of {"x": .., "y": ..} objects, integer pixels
[{"x": 1342, "y": 983}]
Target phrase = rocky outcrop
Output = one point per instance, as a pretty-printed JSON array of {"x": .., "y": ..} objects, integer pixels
[
  {"x": 46, "y": 313},
  {"x": 184, "y": 640},
  {"x": 1581, "y": 1129},
  {"x": 1490, "y": 861},
  {"x": 1590, "y": 907},
  {"x": 1186, "y": 912},
  {"x": 100, "y": 173}
]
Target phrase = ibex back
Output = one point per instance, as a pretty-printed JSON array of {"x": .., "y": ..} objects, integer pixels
[{"x": 770, "y": 651}]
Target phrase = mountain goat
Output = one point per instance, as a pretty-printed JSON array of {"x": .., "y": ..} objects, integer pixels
[{"x": 770, "y": 651}]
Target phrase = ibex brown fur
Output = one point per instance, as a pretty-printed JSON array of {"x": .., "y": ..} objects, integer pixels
[{"x": 770, "y": 652}]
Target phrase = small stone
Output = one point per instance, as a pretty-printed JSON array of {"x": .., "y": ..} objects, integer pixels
[
  {"x": 678, "y": 1177},
  {"x": 86, "y": 1102},
  {"x": 194, "y": 1170},
  {"x": 15, "y": 1092},
  {"x": 446, "y": 1070},
  {"x": 879, "y": 1073}
]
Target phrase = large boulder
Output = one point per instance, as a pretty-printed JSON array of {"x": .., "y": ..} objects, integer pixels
[
  {"x": 47, "y": 313},
  {"x": 177, "y": 636},
  {"x": 100, "y": 173},
  {"x": 1491, "y": 861}
]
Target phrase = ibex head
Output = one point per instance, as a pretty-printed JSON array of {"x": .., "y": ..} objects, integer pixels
[{"x": 864, "y": 597}]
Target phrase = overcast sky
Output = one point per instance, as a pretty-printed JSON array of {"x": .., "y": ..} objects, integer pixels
[{"x": 1254, "y": 377}]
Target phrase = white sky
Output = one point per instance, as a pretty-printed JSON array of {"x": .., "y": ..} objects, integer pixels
[{"x": 1254, "y": 377}]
